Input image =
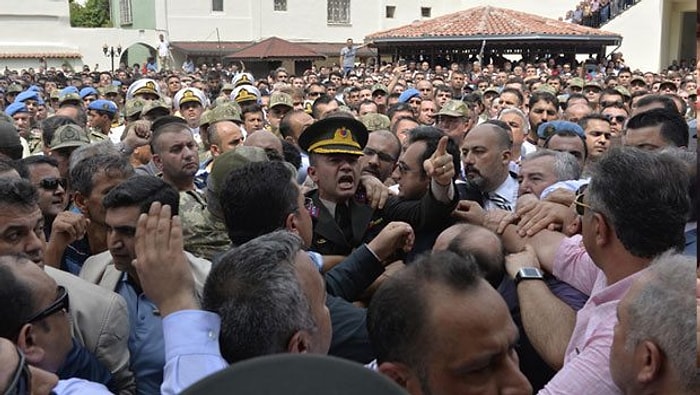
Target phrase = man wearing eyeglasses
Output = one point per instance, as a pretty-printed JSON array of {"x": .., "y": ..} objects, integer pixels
[
  {"x": 53, "y": 199},
  {"x": 615, "y": 247},
  {"x": 39, "y": 326},
  {"x": 617, "y": 114},
  {"x": 380, "y": 154},
  {"x": 21, "y": 232}
]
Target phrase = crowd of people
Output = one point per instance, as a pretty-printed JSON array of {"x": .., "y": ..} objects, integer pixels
[
  {"x": 456, "y": 228},
  {"x": 594, "y": 13}
]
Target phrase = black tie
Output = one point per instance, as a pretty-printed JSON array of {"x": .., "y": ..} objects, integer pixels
[
  {"x": 499, "y": 202},
  {"x": 342, "y": 218}
]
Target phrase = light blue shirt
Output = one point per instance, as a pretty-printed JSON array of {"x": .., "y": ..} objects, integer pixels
[
  {"x": 146, "y": 344},
  {"x": 191, "y": 349},
  {"x": 79, "y": 387}
]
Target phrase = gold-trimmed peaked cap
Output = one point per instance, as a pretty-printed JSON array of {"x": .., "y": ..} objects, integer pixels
[{"x": 335, "y": 135}]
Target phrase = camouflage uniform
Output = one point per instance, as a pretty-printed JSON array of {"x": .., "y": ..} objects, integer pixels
[
  {"x": 208, "y": 237},
  {"x": 192, "y": 209}
]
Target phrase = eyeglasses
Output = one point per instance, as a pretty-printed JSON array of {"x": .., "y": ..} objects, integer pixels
[
  {"x": 580, "y": 205},
  {"x": 615, "y": 103},
  {"x": 617, "y": 118},
  {"x": 314, "y": 94},
  {"x": 61, "y": 303},
  {"x": 404, "y": 169},
  {"x": 52, "y": 183},
  {"x": 19, "y": 385},
  {"x": 383, "y": 156},
  {"x": 591, "y": 90}
]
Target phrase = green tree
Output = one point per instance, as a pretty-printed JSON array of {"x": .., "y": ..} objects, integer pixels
[{"x": 95, "y": 13}]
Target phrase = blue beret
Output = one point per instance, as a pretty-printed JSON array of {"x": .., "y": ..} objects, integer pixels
[
  {"x": 28, "y": 95},
  {"x": 103, "y": 105},
  {"x": 15, "y": 107},
  {"x": 87, "y": 92},
  {"x": 549, "y": 128},
  {"x": 34, "y": 88},
  {"x": 408, "y": 94},
  {"x": 67, "y": 90}
]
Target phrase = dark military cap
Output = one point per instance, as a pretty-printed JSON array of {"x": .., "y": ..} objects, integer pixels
[{"x": 335, "y": 135}]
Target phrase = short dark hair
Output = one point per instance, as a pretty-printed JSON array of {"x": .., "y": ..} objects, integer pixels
[
  {"x": 397, "y": 107},
  {"x": 545, "y": 96},
  {"x": 173, "y": 127},
  {"x": 323, "y": 99},
  {"x": 259, "y": 197},
  {"x": 142, "y": 191},
  {"x": 18, "y": 302},
  {"x": 431, "y": 136},
  {"x": 674, "y": 129},
  {"x": 255, "y": 291},
  {"x": 516, "y": 92},
  {"x": 583, "y": 122},
  {"x": 568, "y": 133},
  {"x": 39, "y": 160},
  {"x": 664, "y": 100},
  {"x": 397, "y": 316},
  {"x": 18, "y": 192},
  {"x": 291, "y": 154},
  {"x": 627, "y": 182},
  {"x": 82, "y": 175}
]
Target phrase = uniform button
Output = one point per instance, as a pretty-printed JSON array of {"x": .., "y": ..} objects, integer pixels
[{"x": 211, "y": 335}]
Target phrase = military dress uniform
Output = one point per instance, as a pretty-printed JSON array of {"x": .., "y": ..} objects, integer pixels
[{"x": 336, "y": 236}]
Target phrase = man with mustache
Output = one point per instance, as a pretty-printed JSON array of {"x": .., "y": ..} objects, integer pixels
[
  {"x": 380, "y": 154},
  {"x": 342, "y": 219},
  {"x": 486, "y": 153}
]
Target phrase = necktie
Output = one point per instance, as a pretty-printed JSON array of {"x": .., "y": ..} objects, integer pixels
[
  {"x": 342, "y": 218},
  {"x": 499, "y": 202}
]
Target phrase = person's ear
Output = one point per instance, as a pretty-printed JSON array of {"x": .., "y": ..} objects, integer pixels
[
  {"x": 290, "y": 140},
  {"x": 79, "y": 200},
  {"x": 649, "y": 361},
  {"x": 215, "y": 150},
  {"x": 603, "y": 232},
  {"x": 300, "y": 343},
  {"x": 401, "y": 375},
  {"x": 290, "y": 223},
  {"x": 156, "y": 161},
  {"x": 311, "y": 172},
  {"x": 26, "y": 341}
]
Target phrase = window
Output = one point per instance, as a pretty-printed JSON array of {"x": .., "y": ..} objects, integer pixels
[
  {"x": 339, "y": 11},
  {"x": 390, "y": 10},
  {"x": 280, "y": 5},
  {"x": 425, "y": 12},
  {"x": 217, "y": 5},
  {"x": 125, "y": 12}
]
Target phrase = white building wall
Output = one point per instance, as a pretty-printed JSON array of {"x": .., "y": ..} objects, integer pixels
[{"x": 642, "y": 38}]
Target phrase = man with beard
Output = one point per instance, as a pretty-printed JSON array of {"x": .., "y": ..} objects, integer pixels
[
  {"x": 343, "y": 220},
  {"x": 486, "y": 154},
  {"x": 380, "y": 154},
  {"x": 175, "y": 154},
  {"x": 190, "y": 102}
]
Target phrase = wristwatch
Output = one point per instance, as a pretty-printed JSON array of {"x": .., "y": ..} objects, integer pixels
[{"x": 528, "y": 273}]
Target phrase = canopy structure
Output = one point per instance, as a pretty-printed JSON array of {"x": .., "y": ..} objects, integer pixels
[
  {"x": 490, "y": 32},
  {"x": 275, "y": 48}
]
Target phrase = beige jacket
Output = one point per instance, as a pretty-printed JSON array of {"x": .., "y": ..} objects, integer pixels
[{"x": 101, "y": 324}]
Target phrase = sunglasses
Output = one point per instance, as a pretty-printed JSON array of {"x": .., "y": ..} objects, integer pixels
[
  {"x": 616, "y": 103},
  {"x": 617, "y": 118},
  {"x": 61, "y": 303},
  {"x": 384, "y": 157},
  {"x": 52, "y": 183},
  {"x": 19, "y": 385}
]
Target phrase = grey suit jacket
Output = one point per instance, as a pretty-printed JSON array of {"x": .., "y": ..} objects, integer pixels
[{"x": 101, "y": 324}]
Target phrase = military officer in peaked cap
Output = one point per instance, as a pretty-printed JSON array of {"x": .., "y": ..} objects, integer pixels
[{"x": 343, "y": 219}]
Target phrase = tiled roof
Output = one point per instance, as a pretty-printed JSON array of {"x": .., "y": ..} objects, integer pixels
[
  {"x": 485, "y": 22},
  {"x": 276, "y": 48},
  {"x": 37, "y": 55},
  {"x": 209, "y": 47}
]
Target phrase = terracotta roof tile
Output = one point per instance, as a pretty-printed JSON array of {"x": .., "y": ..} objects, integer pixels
[
  {"x": 276, "y": 48},
  {"x": 37, "y": 55},
  {"x": 486, "y": 21}
]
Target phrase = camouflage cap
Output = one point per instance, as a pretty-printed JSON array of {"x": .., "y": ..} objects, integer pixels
[
  {"x": 69, "y": 136},
  {"x": 281, "y": 99},
  {"x": 576, "y": 81},
  {"x": 454, "y": 108},
  {"x": 637, "y": 78},
  {"x": 221, "y": 100},
  {"x": 153, "y": 105},
  {"x": 109, "y": 89},
  {"x": 14, "y": 88},
  {"x": 593, "y": 83},
  {"x": 204, "y": 119},
  {"x": 380, "y": 87},
  {"x": 134, "y": 107},
  {"x": 226, "y": 112},
  {"x": 374, "y": 121},
  {"x": 546, "y": 88},
  {"x": 228, "y": 87},
  {"x": 491, "y": 89},
  {"x": 623, "y": 91},
  {"x": 69, "y": 97},
  {"x": 231, "y": 160}
]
